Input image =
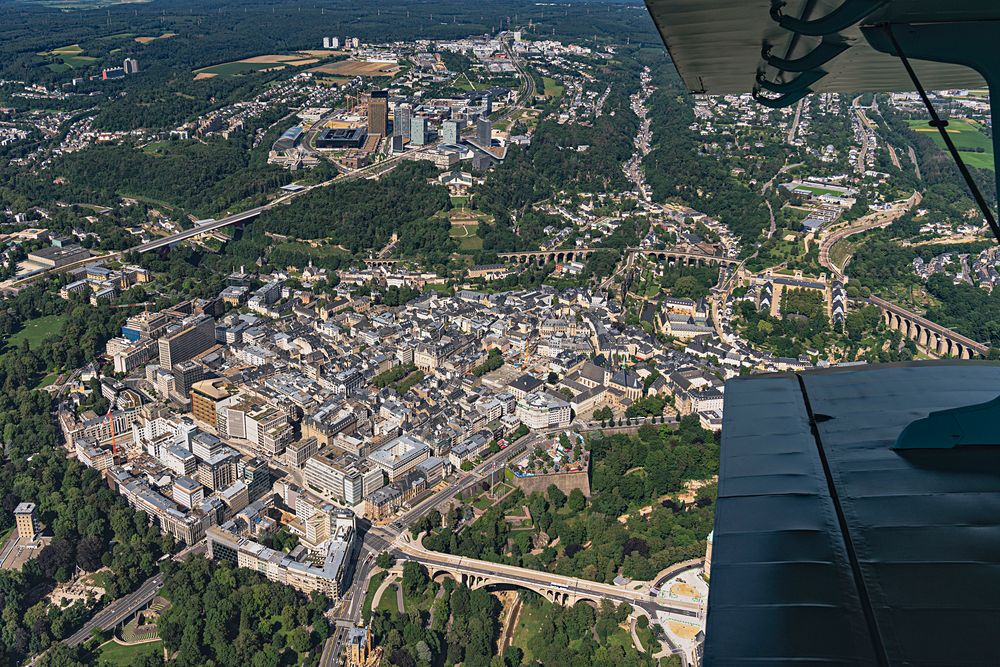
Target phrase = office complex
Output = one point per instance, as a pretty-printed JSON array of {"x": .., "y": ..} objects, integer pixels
[
  {"x": 542, "y": 410},
  {"x": 451, "y": 131},
  {"x": 378, "y": 113},
  {"x": 186, "y": 340},
  {"x": 401, "y": 120},
  {"x": 338, "y": 137},
  {"x": 418, "y": 131},
  {"x": 335, "y": 554},
  {"x": 205, "y": 397},
  {"x": 484, "y": 132}
]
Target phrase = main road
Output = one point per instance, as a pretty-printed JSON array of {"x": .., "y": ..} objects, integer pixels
[
  {"x": 118, "y": 611},
  {"x": 840, "y": 232}
]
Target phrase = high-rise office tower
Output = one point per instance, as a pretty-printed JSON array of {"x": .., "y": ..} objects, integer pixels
[
  {"x": 401, "y": 120},
  {"x": 187, "y": 341},
  {"x": 449, "y": 131},
  {"x": 378, "y": 112},
  {"x": 484, "y": 132},
  {"x": 488, "y": 104},
  {"x": 418, "y": 131}
]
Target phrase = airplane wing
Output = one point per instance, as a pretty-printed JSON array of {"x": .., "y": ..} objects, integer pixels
[{"x": 716, "y": 44}]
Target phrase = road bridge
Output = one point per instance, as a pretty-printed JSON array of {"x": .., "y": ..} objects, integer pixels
[
  {"x": 556, "y": 588},
  {"x": 672, "y": 257},
  {"x": 928, "y": 335}
]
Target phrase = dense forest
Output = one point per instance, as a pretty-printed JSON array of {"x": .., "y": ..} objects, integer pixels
[
  {"x": 658, "y": 461},
  {"x": 224, "y": 616},
  {"x": 205, "y": 178},
  {"x": 364, "y": 214},
  {"x": 677, "y": 167},
  {"x": 562, "y": 158}
]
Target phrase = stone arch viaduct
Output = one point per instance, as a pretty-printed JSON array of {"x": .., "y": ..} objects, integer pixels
[
  {"x": 928, "y": 335},
  {"x": 672, "y": 257}
]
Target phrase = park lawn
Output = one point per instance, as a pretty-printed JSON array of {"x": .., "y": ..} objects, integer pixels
[
  {"x": 441, "y": 288},
  {"x": 623, "y": 638},
  {"x": 37, "y": 330},
  {"x": 373, "y": 584},
  {"x": 463, "y": 82},
  {"x": 388, "y": 601},
  {"x": 528, "y": 624},
  {"x": 968, "y": 138},
  {"x": 468, "y": 238},
  {"x": 116, "y": 654},
  {"x": 470, "y": 244},
  {"x": 459, "y": 201},
  {"x": 646, "y": 637},
  {"x": 552, "y": 87}
]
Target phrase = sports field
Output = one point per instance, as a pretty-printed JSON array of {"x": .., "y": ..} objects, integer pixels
[{"x": 968, "y": 138}]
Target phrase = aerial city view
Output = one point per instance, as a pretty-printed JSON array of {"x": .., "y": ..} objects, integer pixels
[{"x": 497, "y": 334}]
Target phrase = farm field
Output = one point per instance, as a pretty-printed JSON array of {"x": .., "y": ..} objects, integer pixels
[
  {"x": 258, "y": 64},
  {"x": 976, "y": 147},
  {"x": 351, "y": 68},
  {"x": 149, "y": 38}
]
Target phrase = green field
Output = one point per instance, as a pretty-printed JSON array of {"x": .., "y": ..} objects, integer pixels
[
  {"x": 37, "y": 330},
  {"x": 373, "y": 584},
  {"x": 468, "y": 238},
  {"x": 552, "y": 87},
  {"x": 388, "y": 602},
  {"x": 116, "y": 654},
  {"x": 968, "y": 139},
  {"x": 68, "y": 57}
]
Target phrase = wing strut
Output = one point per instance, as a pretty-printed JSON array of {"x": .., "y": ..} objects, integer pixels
[{"x": 942, "y": 127}]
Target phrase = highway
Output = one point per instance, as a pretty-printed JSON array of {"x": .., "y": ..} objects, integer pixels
[
  {"x": 118, "y": 611},
  {"x": 371, "y": 171},
  {"x": 123, "y": 608}
]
